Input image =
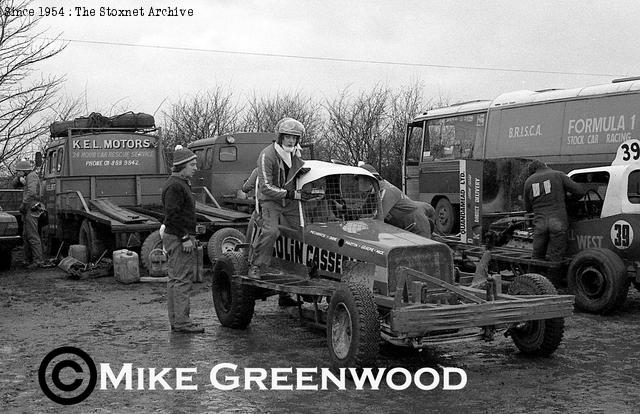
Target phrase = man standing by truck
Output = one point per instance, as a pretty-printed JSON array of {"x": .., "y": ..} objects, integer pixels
[
  {"x": 31, "y": 208},
  {"x": 179, "y": 240},
  {"x": 545, "y": 195}
]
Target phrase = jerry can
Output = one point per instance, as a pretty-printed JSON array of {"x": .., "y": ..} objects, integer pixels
[
  {"x": 79, "y": 252},
  {"x": 125, "y": 266},
  {"x": 198, "y": 265},
  {"x": 158, "y": 265}
]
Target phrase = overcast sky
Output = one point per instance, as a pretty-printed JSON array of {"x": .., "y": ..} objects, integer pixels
[{"x": 512, "y": 44}]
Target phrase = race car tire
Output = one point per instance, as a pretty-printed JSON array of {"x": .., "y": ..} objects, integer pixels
[
  {"x": 222, "y": 241},
  {"x": 89, "y": 237},
  {"x": 445, "y": 217},
  {"x": 353, "y": 328},
  {"x": 151, "y": 244},
  {"x": 536, "y": 338},
  {"x": 598, "y": 279},
  {"x": 233, "y": 301}
]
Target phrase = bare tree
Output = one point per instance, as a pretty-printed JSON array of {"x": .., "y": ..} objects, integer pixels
[
  {"x": 23, "y": 98},
  {"x": 356, "y": 126},
  {"x": 403, "y": 106},
  {"x": 263, "y": 113},
  {"x": 204, "y": 115},
  {"x": 62, "y": 109}
]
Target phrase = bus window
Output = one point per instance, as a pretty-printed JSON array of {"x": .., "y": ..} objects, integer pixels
[
  {"x": 633, "y": 188},
  {"x": 59, "y": 159},
  {"x": 208, "y": 162},
  {"x": 454, "y": 137},
  {"x": 51, "y": 162},
  {"x": 414, "y": 141},
  {"x": 228, "y": 154}
]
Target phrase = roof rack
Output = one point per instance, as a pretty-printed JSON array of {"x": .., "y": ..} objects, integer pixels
[{"x": 632, "y": 78}]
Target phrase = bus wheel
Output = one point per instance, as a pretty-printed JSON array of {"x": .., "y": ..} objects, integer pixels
[
  {"x": 598, "y": 279},
  {"x": 445, "y": 216}
]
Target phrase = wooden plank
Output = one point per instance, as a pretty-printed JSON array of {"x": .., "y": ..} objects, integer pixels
[
  {"x": 221, "y": 213},
  {"x": 108, "y": 208},
  {"x": 292, "y": 283},
  {"x": 457, "y": 290},
  {"x": 298, "y": 288},
  {"x": 418, "y": 320}
]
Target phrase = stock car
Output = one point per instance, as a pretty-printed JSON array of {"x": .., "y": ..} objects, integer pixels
[{"x": 364, "y": 280}]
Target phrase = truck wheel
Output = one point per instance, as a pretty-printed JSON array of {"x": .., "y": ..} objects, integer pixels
[
  {"x": 598, "y": 279},
  {"x": 233, "y": 301},
  {"x": 5, "y": 259},
  {"x": 539, "y": 338},
  {"x": 222, "y": 241},
  {"x": 88, "y": 236},
  {"x": 151, "y": 243},
  {"x": 445, "y": 216},
  {"x": 353, "y": 329}
]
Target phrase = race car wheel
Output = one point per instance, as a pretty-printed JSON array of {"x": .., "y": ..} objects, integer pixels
[
  {"x": 445, "y": 216},
  {"x": 222, "y": 241},
  {"x": 89, "y": 236},
  {"x": 152, "y": 245},
  {"x": 233, "y": 301},
  {"x": 353, "y": 329},
  {"x": 538, "y": 338},
  {"x": 598, "y": 279}
]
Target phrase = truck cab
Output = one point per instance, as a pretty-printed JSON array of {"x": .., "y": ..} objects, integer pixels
[
  {"x": 93, "y": 181},
  {"x": 225, "y": 162}
]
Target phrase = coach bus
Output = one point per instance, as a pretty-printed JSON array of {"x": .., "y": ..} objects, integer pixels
[{"x": 476, "y": 153}]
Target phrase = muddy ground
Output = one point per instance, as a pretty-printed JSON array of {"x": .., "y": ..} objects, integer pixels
[{"x": 596, "y": 369}]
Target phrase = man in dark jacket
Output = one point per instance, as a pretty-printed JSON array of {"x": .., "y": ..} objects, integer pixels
[
  {"x": 278, "y": 165},
  {"x": 31, "y": 208},
  {"x": 545, "y": 194},
  {"x": 401, "y": 211},
  {"x": 179, "y": 240}
]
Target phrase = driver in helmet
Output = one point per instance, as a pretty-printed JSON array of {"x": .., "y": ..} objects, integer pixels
[
  {"x": 278, "y": 166},
  {"x": 31, "y": 209}
]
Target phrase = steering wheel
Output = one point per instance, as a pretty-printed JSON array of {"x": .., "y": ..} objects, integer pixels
[
  {"x": 338, "y": 206},
  {"x": 589, "y": 208}
]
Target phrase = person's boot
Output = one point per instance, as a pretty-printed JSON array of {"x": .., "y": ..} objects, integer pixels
[
  {"x": 192, "y": 328},
  {"x": 286, "y": 300}
]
